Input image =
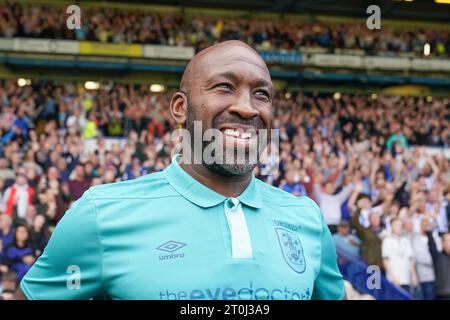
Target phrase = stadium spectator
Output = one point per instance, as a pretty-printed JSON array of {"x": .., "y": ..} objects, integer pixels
[
  {"x": 8, "y": 285},
  {"x": 397, "y": 138},
  {"x": 330, "y": 202},
  {"x": 424, "y": 262},
  {"x": 370, "y": 240},
  {"x": 18, "y": 196},
  {"x": 90, "y": 128},
  {"x": 292, "y": 184},
  {"x": 441, "y": 261},
  {"x": 39, "y": 234},
  {"x": 79, "y": 184},
  {"x": 346, "y": 241},
  {"x": 19, "y": 254},
  {"x": 6, "y": 230},
  {"x": 6, "y": 173},
  {"x": 4, "y": 267},
  {"x": 398, "y": 258}
]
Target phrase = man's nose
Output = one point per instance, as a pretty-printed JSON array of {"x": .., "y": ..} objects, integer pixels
[{"x": 244, "y": 107}]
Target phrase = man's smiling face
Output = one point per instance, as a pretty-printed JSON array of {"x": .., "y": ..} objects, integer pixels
[{"x": 229, "y": 89}]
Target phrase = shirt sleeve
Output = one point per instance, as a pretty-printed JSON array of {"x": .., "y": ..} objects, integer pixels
[
  {"x": 317, "y": 191},
  {"x": 329, "y": 284},
  {"x": 345, "y": 193},
  {"x": 71, "y": 264}
]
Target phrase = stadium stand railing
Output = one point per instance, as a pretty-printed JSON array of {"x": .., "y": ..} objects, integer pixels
[{"x": 354, "y": 269}]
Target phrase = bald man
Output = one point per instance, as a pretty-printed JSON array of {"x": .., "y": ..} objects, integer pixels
[{"x": 205, "y": 227}]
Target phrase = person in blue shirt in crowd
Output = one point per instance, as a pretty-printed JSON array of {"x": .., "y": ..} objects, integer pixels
[
  {"x": 345, "y": 241},
  {"x": 6, "y": 230},
  {"x": 20, "y": 253},
  {"x": 293, "y": 185}
]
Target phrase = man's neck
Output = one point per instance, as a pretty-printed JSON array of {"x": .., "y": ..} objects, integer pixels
[{"x": 228, "y": 186}]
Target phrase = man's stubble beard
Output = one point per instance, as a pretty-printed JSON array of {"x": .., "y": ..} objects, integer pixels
[{"x": 226, "y": 169}]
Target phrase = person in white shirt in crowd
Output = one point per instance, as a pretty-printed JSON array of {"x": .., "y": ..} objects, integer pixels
[
  {"x": 393, "y": 212},
  {"x": 366, "y": 208},
  {"x": 330, "y": 203},
  {"x": 398, "y": 258},
  {"x": 417, "y": 210},
  {"x": 408, "y": 228},
  {"x": 424, "y": 262}
]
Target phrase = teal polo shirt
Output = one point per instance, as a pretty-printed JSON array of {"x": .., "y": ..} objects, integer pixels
[{"x": 165, "y": 236}]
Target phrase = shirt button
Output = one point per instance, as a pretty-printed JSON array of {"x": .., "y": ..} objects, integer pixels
[{"x": 232, "y": 203}]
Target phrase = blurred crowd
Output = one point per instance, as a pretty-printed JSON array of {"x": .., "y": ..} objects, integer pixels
[
  {"x": 365, "y": 159},
  {"x": 146, "y": 27}
]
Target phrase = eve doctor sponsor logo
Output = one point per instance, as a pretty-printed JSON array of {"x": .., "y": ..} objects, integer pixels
[
  {"x": 171, "y": 246},
  {"x": 229, "y": 293}
]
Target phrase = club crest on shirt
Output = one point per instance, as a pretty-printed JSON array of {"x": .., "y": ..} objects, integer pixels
[{"x": 292, "y": 249}]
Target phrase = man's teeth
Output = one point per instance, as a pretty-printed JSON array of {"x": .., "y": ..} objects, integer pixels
[{"x": 237, "y": 134}]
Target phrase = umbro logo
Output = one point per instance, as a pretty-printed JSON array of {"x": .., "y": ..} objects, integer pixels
[{"x": 171, "y": 246}]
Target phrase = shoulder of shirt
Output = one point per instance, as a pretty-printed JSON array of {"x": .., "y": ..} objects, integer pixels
[
  {"x": 282, "y": 198},
  {"x": 152, "y": 185}
]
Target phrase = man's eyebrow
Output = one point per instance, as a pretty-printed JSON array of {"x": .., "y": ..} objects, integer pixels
[
  {"x": 227, "y": 75},
  {"x": 233, "y": 77},
  {"x": 264, "y": 83}
]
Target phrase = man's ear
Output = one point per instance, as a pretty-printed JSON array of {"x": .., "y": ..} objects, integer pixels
[{"x": 178, "y": 107}]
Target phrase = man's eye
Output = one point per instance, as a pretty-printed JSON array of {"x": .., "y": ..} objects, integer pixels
[
  {"x": 226, "y": 86},
  {"x": 263, "y": 95}
]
